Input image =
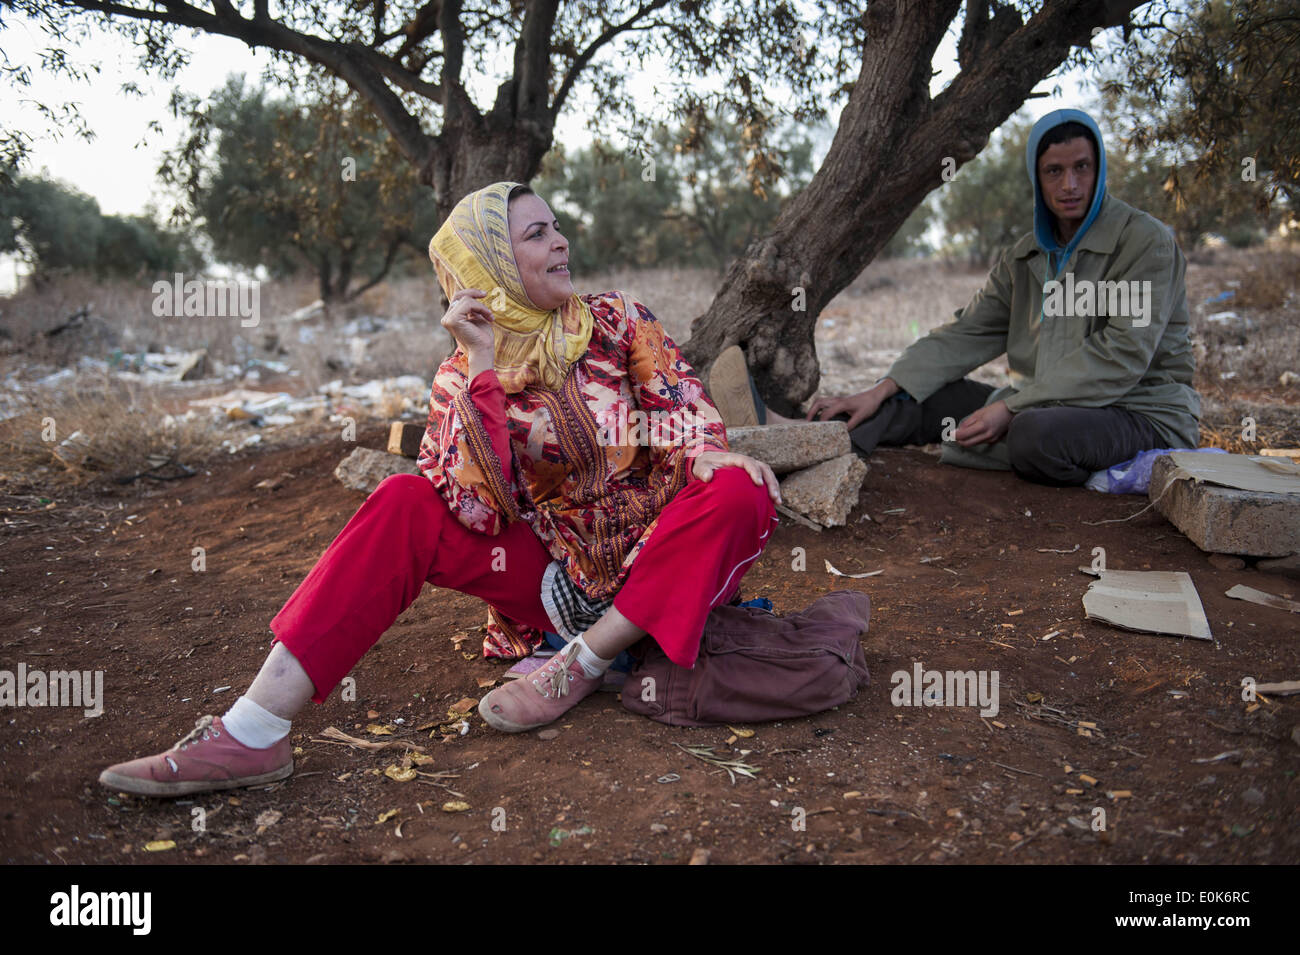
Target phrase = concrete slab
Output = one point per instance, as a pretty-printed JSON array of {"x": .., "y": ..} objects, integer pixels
[
  {"x": 1227, "y": 520},
  {"x": 788, "y": 447}
]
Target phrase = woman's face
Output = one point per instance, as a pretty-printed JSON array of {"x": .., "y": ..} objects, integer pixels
[{"x": 541, "y": 252}]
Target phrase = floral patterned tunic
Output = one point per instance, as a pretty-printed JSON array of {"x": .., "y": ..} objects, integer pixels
[{"x": 588, "y": 467}]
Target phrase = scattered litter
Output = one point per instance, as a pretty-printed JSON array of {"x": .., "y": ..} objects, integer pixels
[
  {"x": 1157, "y": 601},
  {"x": 1242, "y": 592},
  {"x": 1220, "y": 758},
  {"x": 895, "y": 510},
  {"x": 160, "y": 845},
  {"x": 267, "y": 818},
  {"x": 1055, "y": 550},
  {"x": 558, "y": 835},
  {"x": 456, "y": 805},
  {"x": 1048, "y": 636},
  {"x": 1287, "y": 688},
  {"x": 830, "y": 569}
]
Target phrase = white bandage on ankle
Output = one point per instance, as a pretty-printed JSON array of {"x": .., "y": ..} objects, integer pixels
[{"x": 254, "y": 726}]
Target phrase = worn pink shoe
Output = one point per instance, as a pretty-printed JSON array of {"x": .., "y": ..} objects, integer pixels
[
  {"x": 208, "y": 758},
  {"x": 540, "y": 697}
]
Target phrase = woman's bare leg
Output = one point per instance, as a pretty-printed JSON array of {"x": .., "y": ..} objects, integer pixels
[
  {"x": 282, "y": 686},
  {"x": 612, "y": 634}
]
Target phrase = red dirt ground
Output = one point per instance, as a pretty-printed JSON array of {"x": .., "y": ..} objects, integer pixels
[{"x": 104, "y": 582}]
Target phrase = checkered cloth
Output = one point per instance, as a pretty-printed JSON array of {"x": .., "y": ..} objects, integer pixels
[{"x": 571, "y": 611}]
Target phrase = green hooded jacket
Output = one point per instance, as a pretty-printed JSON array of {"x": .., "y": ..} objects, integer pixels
[{"x": 1108, "y": 326}]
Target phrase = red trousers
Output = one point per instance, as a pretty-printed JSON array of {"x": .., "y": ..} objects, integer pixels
[{"x": 404, "y": 535}]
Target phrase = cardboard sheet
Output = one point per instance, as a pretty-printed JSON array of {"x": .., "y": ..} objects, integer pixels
[
  {"x": 1276, "y": 475},
  {"x": 1149, "y": 601},
  {"x": 1242, "y": 592}
]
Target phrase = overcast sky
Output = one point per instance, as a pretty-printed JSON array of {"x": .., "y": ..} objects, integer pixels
[{"x": 118, "y": 167}]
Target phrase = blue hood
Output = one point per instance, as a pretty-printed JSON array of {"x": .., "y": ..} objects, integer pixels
[{"x": 1059, "y": 254}]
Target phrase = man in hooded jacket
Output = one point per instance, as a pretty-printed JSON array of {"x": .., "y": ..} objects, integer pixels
[{"x": 1090, "y": 309}]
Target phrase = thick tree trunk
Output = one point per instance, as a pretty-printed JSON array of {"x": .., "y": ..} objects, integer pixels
[
  {"x": 888, "y": 153},
  {"x": 473, "y": 151}
]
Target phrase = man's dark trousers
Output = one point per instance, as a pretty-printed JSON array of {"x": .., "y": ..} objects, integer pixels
[{"x": 1059, "y": 445}]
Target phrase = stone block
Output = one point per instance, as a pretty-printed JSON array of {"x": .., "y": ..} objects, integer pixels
[
  {"x": 826, "y": 492},
  {"x": 786, "y": 448},
  {"x": 404, "y": 438},
  {"x": 1225, "y": 520}
]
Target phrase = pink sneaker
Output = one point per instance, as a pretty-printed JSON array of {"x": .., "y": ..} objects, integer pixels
[
  {"x": 540, "y": 697},
  {"x": 208, "y": 758}
]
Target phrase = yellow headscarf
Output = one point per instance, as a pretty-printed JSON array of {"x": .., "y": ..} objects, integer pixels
[{"x": 473, "y": 250}]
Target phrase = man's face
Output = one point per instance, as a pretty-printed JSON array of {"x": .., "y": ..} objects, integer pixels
[{"x": 1067, "y": 174}]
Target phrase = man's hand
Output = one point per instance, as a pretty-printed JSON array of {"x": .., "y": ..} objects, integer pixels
[
  {"x": 858, "y": 407},
  {"x": 985, "y": 426},
  {"x": 709, "y": 461}
]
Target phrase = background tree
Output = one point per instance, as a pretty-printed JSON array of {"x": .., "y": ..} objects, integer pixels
[
  {"x": 1215, "y": 91},
  {"x": 288, "y": 185},
  {"x": 690, "y": 199},
  {"x": 989, "y": 203},
  {"x": 894, "y": 137},
  {"x": 56, "y": 230}
]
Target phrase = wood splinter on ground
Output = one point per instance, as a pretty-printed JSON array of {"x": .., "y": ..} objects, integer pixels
[{"x": 332, "y": 734}]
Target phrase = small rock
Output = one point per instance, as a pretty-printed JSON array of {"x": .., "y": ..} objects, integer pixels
[
  {"x": 1253, "y": 797},
  {"x": 658, "y": 827},
  {"x": 826, "y": 492},
  {"x": 548, "y": 734},
  {"x": 699, "y": 857},
  {"x": 364, "y": 468},
  {"x": 1013, "y": 808},
  {"x": 1226, "y": 562},
  {"x": 1281, "y": 565}
]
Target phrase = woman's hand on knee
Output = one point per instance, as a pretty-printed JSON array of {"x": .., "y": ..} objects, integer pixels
[{"x": 708, "y": 462}]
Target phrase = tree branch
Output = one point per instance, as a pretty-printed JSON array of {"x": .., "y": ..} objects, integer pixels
[
  {"x": 360, "y": 67},
  {"x": 580, "y": 62}
]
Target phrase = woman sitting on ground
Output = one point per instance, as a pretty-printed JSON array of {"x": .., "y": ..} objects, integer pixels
[{"x": 523, "y": 502}]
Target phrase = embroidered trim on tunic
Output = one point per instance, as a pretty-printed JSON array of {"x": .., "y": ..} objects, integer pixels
[{"x": 480, "y": 445}]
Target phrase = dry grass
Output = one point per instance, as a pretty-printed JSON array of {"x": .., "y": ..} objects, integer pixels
[{"x": 103, "y": 431}]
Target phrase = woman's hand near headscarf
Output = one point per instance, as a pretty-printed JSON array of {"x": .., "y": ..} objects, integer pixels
[
  {"x": 470, "y": 324},
  {"x": 709, "y": 461}
]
